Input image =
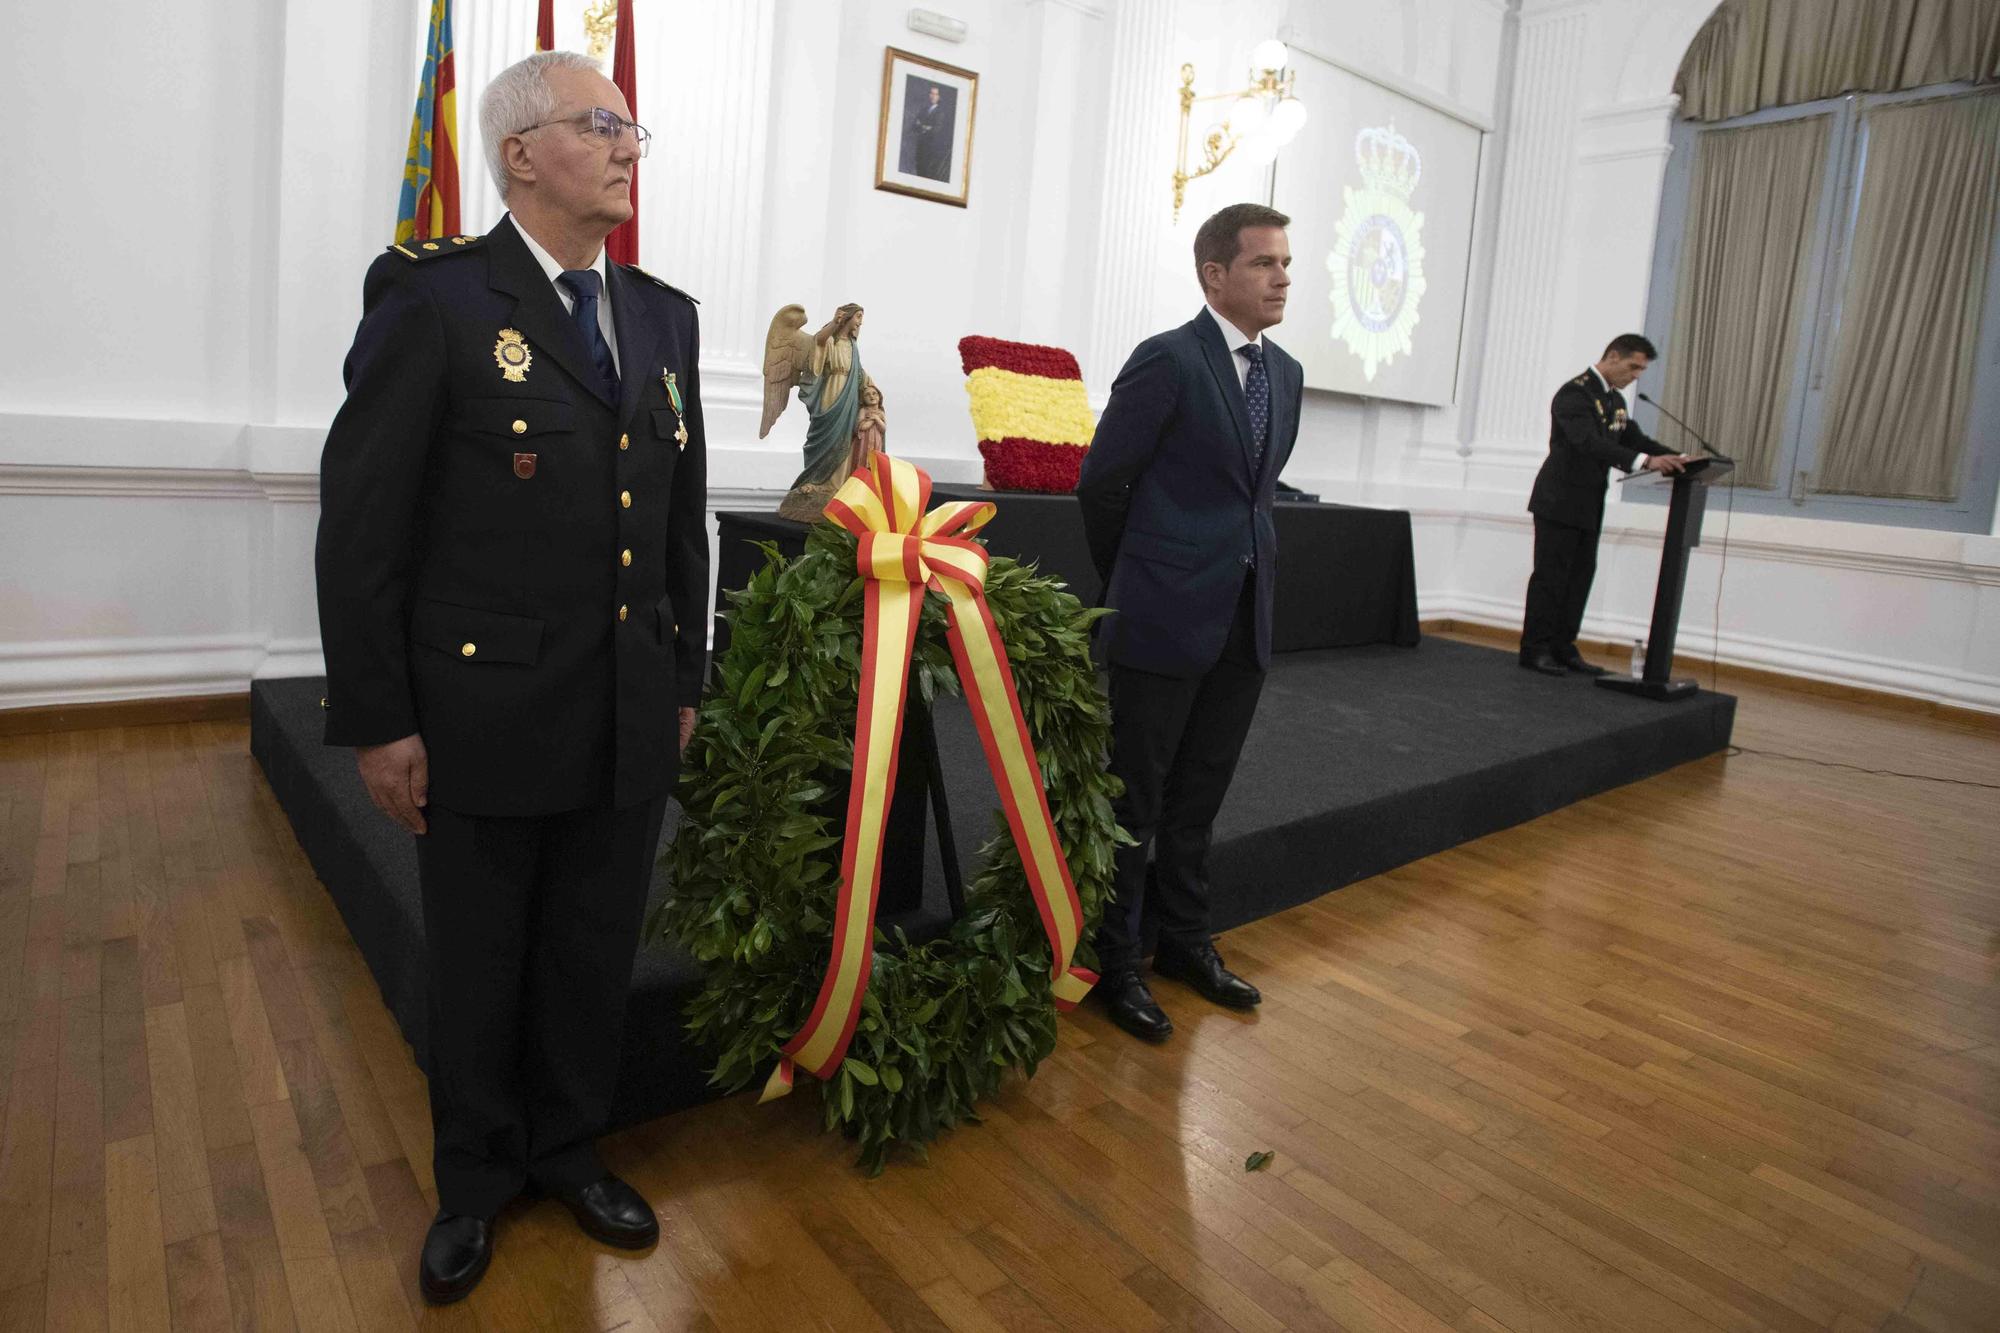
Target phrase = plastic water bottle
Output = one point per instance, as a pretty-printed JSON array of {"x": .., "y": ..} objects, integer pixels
[{"x": 1638, "y": 658}]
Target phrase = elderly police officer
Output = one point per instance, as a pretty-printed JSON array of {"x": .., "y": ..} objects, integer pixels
[{"x": 513, "y": 576}]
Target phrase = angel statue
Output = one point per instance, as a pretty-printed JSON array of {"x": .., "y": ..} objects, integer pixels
[{"x": 848, "y": 425}]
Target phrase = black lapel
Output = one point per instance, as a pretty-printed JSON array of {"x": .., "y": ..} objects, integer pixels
[
  {"x": 538, "y": 311},
  {"x": 637, "y": 337},
  {"x": 1219, "y": 362}
]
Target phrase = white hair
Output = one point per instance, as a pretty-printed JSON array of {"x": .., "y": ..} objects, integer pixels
[{"x": 518, "y": 98}]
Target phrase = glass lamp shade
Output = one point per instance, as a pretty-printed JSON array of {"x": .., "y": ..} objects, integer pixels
[
  {"x": 1260, "y": 151},
  {"x": 1287, "y": 119},
  {"x": 1247, "y": 116},
  {"x": 1268, "y": 54}
]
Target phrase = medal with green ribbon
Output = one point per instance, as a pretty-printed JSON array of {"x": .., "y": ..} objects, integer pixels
[{"x": 680, "y": 412}]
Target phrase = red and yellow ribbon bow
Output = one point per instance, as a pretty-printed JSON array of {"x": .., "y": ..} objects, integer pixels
[{"x": 901, "y": 552}]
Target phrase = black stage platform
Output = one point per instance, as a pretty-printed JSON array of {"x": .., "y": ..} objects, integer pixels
[{"x": 1361, "y": 759}]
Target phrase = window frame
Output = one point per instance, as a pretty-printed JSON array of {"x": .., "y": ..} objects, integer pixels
[{"x": 1818, "y": 333}]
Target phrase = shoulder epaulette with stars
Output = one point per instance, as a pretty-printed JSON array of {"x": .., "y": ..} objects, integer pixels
[
  {"x": 638, "y": 272},
  {"x": 1582, "y": 381},
  {"x": 416, "y": 251}
]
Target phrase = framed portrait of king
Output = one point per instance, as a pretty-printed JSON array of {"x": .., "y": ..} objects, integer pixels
[{"x": 924, "y": 147}]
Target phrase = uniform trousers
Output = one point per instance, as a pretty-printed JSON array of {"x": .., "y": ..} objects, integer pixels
[
  {"x": 1175, "y": 742},
  {"x": 1565, "y": 564},
  {"x": 530, "y": 928}
]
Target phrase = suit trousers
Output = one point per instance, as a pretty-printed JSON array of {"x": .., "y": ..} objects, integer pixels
[
  {"x": 1175, "y": 742},
  {"x": 530, "y": 927},
  {"x": 1565, "y": 564}
]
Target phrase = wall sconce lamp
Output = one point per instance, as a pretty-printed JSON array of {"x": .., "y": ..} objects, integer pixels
[{"x": 1262, "y": 118}]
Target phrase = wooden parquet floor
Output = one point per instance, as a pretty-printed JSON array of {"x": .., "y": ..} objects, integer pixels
[{"x": 1714, "y": 1051}]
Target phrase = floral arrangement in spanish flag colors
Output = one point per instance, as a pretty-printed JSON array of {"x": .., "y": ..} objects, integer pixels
[
  {"x": 1029, "y": 411},
  {"x": 810, "y": 697}
]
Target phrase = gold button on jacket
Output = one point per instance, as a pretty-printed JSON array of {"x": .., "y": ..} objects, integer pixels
[
  {"x": 520, "y": 427},
  {"x": 467, "y": 650},
  {"x": 625, "y": 499}
]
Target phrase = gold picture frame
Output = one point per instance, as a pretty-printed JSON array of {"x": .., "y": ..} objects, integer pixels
[{"x": 923, "y": 146}]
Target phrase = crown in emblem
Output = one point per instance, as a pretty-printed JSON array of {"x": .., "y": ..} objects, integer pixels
[{"x": 1388, "y": 161}]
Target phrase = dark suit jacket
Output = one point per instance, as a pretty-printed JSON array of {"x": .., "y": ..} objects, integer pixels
[
  {"x": 482, "y": 579},
  {"x": 1589, "y": 434},
  {"x": 1175, "y": 514}
]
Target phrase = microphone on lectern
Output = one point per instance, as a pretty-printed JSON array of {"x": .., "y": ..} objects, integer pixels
[{"x": 1712, "y": 453}]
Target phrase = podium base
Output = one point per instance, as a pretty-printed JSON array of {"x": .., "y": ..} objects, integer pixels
[{"x": 1665, "y": 691}]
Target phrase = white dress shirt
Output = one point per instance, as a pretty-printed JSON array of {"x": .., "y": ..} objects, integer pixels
[
  {"x": 1638, "y": 459},
  {"x": 555, "y": 270},
  {"x": 1236, "y": 340}
]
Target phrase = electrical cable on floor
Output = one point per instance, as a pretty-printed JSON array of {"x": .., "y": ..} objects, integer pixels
[
  {"x": 1734, "y": 750},
  {"x": 1715, "y": 669}
]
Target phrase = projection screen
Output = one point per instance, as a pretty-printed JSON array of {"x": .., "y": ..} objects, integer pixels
[{"x": 1380, "y": 190}]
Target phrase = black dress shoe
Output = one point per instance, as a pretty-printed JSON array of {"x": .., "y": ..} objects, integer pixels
[
  {"x": 456, "y": 1253},
  {"x": 611, "y": 1211},
  {"x": 1200, "y": 966},
  {"x": 1542, "y": 660},
  {"x": 1576, "y": 666},
  {"x": 1132, "y": 1007}
]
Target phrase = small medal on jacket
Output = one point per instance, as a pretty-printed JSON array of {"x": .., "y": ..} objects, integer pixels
[
  {"x": 511, "y": 354},
  {"x": 680, "y": 412}
]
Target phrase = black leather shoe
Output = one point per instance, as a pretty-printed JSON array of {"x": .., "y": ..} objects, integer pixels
[
  {"x": 1542, "y": 660},
  {"x": 1200, "y": 966},
  {"x": 1132, "y": 1007},
  {"x": 456, "y": 1253},
  {"x": 613, "y": 1212},
  {"x": 1576, "y": 666}
]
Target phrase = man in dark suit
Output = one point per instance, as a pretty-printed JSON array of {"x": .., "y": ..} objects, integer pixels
[
  {"x": 513, "y": 586},
  {"x": 1176, "y": 495},
  {"x": 1590, "y": 433}
]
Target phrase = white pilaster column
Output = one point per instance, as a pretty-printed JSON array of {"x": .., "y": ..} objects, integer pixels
[
  {"x": 1137, "y": 200},
  {"x": 705, "y": 92},
  {"x": 1538, "y": 156}
]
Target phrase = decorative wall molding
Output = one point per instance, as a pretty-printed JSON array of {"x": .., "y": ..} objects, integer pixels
[
  {"x": 1136, "y": 202},
  {"x": 1537, "y": 159}
]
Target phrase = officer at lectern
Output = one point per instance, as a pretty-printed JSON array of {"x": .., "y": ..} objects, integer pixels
[{"x": 1590, "y": 432}]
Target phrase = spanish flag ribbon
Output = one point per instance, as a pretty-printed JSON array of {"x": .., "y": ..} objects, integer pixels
[{"x": 902, "y": 551}]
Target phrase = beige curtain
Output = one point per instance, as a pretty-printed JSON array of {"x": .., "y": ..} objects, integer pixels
[
  {"x": 1909, "y": 319},
  {"x": 1753, "y": 202},
  {"x": 1757, "y": 53}
]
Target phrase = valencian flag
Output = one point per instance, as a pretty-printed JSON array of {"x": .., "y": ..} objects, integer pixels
[
  {"x": 623, "y": 244},
  {"x": 1029, "y": 412},
  {"x": 545, "y": 26},
  {"x": 429, "y": 203}
]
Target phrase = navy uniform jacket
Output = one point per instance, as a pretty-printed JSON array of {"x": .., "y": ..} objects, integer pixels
[
  {"x": 514, "y": 567},
  {"x": 1175, "y": 514},
  {"x": 1589, "y": 433}
]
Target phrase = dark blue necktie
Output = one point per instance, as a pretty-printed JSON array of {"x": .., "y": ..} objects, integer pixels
[
  {"x": 584, "y": 285},
  {"x": 1257, "y": 393}
]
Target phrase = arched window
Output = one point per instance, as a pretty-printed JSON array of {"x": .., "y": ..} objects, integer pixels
[{"x": 1824, "y": 289}]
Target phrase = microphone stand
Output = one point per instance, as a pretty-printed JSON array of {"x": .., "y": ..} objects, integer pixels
[{"x": 1712, "y": 452}]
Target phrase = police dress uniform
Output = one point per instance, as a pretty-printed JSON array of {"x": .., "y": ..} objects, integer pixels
[
  {"x": 1590, "y": 433},
  {"x": 513, "y": 563}
]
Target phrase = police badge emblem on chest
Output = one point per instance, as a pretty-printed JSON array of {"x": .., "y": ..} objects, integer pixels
[{"x": 511, "y": 354}]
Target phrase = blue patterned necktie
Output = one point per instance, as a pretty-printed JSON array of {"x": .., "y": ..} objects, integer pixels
[
  {"x": 1257, "y": 393},
  {"x": 585, "y": 285}
]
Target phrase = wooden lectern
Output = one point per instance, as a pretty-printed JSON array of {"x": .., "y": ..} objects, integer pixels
[{"x": 1684, "y": 512}]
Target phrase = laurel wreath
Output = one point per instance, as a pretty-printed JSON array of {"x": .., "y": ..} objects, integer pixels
[{"x": 754, "y": 868}]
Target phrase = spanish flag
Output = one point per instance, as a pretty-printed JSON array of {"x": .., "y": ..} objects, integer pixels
[
  {"x": 623, "y": 243},
  {"x": 545, "y": 26},
  {"x": 1029, "y": 411},
  {"x": 428, "y": 206}
]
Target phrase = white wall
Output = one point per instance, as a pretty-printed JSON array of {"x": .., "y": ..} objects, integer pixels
[{"x": 196, "y": 228}]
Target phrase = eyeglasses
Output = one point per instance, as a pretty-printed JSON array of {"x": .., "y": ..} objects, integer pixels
[{"x": 607, "y": 127}]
